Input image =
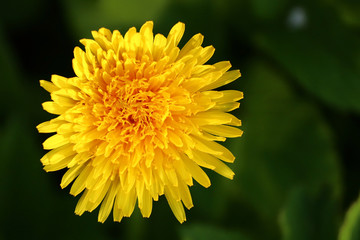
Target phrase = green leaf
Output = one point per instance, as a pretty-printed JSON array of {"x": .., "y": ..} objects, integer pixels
[
  {"x": 208, "y": 232},
  {"x": 350, "y": 229},
  {"x": 286, "y": 143},
  {"x": 322, "y": 64},
  {"x": 309, "y": 216}
]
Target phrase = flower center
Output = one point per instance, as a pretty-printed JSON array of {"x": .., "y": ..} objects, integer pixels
[
  {"x": 132, "y": 103},
  {"x": 129, "y": 107}
]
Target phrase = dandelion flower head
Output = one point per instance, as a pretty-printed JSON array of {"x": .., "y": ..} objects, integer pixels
[{"x": 139, "y": 120}]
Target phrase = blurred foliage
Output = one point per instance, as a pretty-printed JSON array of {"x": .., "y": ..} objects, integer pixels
[
  {"x": 350, "y": 229},
  {"x": 84, "y": 15},
  {"x": 297, "y": 167},
  {"x": 207, "y": 232},
  {"x": 309, "y": 215}
]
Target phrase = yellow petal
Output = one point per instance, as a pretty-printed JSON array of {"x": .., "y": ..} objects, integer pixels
[
  {"x": 66, "y": 128},
  {"x": 101, "y": 38},
  {"x": 221, "y": 168},
  {"x": 97, "y": 196},
  {"x": 203, "y": 146},
  {"x": 140, "y": 186},
  {"x": 209, "y": 137},
  {"x": 49, "y": 126},
  {"x": 194, "y": 42},
  {"x": 62, "y": 82},
  {"x": 58, "y": 154},
  {"x": 176, "y": 207},
  {"x": 82, "y": 203},
  {"x": 55, "y": 141},
  {"x": 117, "y": 212},
  {"x": 80, "y": 182},
  {"x": 214, "y": 148},
  {"x": 48, "y": 86},
  {"x": 176, "y": 33},
  {"x": 182, "y": 173},
  {"x": 222, "y": 66},
  {"x": 226, "y": 107},
  {"x": 222, "y": 130},
  {"x": 198, "y": 174},
  {"x": 63, "y": 101},
  {"x": 69, "y": 93},
  {"x": 227, "y": 78},
  {"x": 198, "y": 157},
  {"x": 171, "y": 175},
  {"x": 106, "y": 33},
  {"x": 185, "y": 195},
  {"x": 92, "y": 45},
  {"x": 70, "y": 175},
  {"x": 54, "y": 108},
  {"x": 129, "y": 203},
  {"x": 230, "y": 96},
  {"x": 108, "y": 202},
  {"x": 147, "y": 204},
  {"x": 212, "y": 117},
  {"x": 215, "y": 164},
  {"x": 205, "y": 54},
  {"x": 147, "y": 32},
  {"x": 59, "y": 165},
  {"x": 175, "y": 139},
  {"x": 158, "y": 47}
]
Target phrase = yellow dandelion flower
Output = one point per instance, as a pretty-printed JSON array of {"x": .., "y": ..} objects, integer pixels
[{"x": 139, "y": 120}]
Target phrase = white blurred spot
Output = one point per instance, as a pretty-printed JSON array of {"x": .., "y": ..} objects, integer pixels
[{"x": 297, "y": 18}]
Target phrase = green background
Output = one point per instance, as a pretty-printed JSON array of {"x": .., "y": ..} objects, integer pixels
[{"x": 297, "y": 165}]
